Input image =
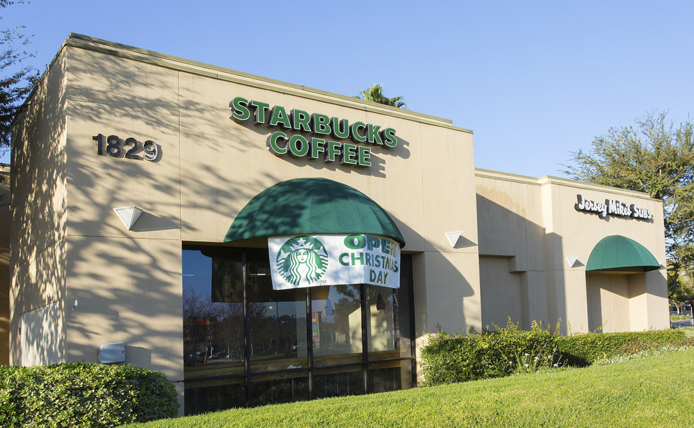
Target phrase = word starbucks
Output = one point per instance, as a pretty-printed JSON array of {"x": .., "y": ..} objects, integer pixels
[
  {"x": 612, "y": 207},
  {"x": 321, "y": 126}
]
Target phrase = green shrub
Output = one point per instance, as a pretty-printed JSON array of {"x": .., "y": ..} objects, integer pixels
[
  {"x": 457, "y": 358},
  {"x": 83, "y": 395},
  {"x": 584, "y": 349}
]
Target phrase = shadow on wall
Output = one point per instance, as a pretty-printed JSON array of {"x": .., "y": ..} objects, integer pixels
[
  {"x": 139, "y": 302},
  {"x": 127, "y": 288},
  {"x": 5, "y": 217},
  {"x": 447, "y": 299},
  {"x": 517, "y": 275},
  {"x": 39, "y": 211}
]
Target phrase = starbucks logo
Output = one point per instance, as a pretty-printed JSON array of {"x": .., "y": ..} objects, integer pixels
[{"x": 302, "y": 261}]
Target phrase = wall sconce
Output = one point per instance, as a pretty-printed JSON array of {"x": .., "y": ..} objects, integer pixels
[
  {"x": 74, "y": 306},
  {"x": 453, "y": 237},
  {"x": 572, "y": 261},
  {"x": 128, "y": 215}
]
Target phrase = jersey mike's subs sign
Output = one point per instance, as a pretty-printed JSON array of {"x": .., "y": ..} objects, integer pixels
[{"x": 612, "y": 207}]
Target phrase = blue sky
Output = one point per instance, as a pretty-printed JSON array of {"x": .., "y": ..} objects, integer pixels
[{"x": 534, "y": 80}]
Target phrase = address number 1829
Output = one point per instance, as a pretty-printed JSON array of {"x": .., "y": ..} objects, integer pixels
[{"x": 117, "y": 147}]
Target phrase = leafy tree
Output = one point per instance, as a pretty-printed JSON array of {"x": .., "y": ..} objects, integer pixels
[
  {"x": 375, "y": 94},
  {"x": 680, "y": 289},
  {"x": 656, "y": 157},
  {"x": 15, "y": 84}
]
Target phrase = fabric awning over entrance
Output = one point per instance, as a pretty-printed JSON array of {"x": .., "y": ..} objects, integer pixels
[
  {"x": 619, "y": 252},
  {"x": 308, "y": 206}
]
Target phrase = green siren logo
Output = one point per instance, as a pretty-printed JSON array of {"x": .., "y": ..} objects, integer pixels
[{"x": 302, "y": 261}]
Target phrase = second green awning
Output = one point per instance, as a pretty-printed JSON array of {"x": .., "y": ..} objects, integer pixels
[{"x": 619, "y": 252}]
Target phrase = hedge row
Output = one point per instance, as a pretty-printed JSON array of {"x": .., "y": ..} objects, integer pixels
[
  {"x": 584, "y": 349},
  {"x": 458, "y": 358},
  {"x": 83, "y": 395}
]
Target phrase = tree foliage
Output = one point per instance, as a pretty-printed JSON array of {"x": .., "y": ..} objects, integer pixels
[
  {"x": 652, "y": 156},
  {"x": 680, "y": 288},
  {"x": 16, "y": 81},
  {"x": 375, "y": 94}
]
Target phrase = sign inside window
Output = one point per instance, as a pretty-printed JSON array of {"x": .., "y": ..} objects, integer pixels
[{"x": 309, "y": 261}]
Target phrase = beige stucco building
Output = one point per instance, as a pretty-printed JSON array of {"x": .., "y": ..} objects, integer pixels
[{"x": 113, "y": 126}]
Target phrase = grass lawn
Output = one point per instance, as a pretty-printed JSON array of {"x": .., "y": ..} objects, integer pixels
[
  {"x": 650, "y": 392},
  {"x": 679, "y": 317}
]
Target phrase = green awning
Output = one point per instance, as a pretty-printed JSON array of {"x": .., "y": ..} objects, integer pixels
[
  {"x": 619, "y": 252},
  {"x": 311, "y": 206}
]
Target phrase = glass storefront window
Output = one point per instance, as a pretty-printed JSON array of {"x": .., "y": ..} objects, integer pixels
[
  {"x": 246, "y": 344},
  {"x": 338, "y": 381},
  {"x": 283, "y": 388},
  {"x": 214, "y": 395},
  {"x": 277, "y": 320},
  {"x": 213, "y": 339},
  {"x": 388, "y": 324},
  {"x": 336, "y": 324},
  {"x": 390, "y": 376}
]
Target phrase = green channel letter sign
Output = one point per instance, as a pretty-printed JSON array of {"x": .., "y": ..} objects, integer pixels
[{"x": 320, "y": 129}]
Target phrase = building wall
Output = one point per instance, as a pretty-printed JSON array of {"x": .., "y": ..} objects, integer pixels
[
  {"x": 533, "y": 224},
  {"x": 513, "y": 268},
  {"x": 69, "y": 246},
  {"x": 128, "y": 282},
  {"x": 39, "y": 215},
  {"x": 503, "y": 293},
  {"x": 576, "y": 234},
  {"x": 5, "y": 216}
]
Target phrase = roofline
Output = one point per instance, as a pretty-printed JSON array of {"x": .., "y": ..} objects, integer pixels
[
  {"x": 226, "y": 74},
  {"x": 548, "y": 179},
  {"x": 38, "y": 82}
]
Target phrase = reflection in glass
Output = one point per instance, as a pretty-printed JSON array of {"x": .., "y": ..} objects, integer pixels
[
  {"x": 214, "y": 395},
  {"x": 336, "y": 324},
  {"x": 280, "y": 388},
  {"x": 388, "y": 320},
  {"x": 212, "y": 313},
  {"x": 390, "y": 376},
  {"x": 277, "y": 319},
  {"x": 338, "y": 381},
  {"x": 215, "y": 349}
]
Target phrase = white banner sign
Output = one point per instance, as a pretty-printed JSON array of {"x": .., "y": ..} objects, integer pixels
[{"x": 309, "y": 261}]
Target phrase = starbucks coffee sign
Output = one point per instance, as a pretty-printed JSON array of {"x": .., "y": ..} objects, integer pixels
[
  {"x": 612, "y": 207},
  {"x": 323, "y": 137},
  {"x": 310, "y": 261}
]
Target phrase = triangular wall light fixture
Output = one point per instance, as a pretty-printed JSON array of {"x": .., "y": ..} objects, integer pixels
[
  {"x": 572, "y": 260},
  {"x": 128, "y": 215},
  {"x": 453, "y": 237}
]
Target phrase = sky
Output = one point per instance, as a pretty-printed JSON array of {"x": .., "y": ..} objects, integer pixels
[{"x": 534, "y": 80}]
